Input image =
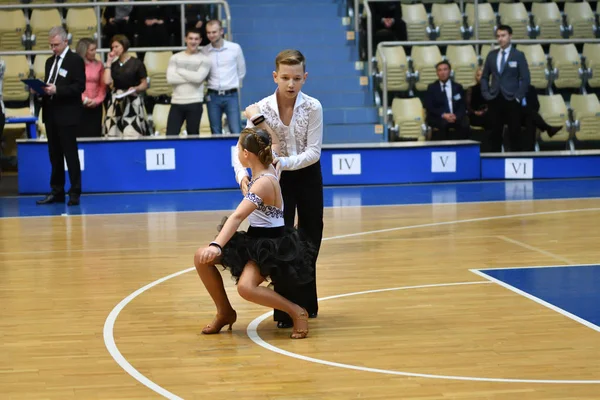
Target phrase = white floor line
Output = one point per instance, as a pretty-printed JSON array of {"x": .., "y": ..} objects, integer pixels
[{"x": 536, "y": 249}]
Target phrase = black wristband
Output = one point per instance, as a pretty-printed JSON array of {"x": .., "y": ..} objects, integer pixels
[
  {"x": 217, "y": 245},
  {"x": 258, "y": 120}
]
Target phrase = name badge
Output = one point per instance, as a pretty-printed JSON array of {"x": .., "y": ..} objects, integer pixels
[
  {"x": 457, "y": 97},
  {"x": 512, "y": 64},
  {"x": 62, "y": 72}
]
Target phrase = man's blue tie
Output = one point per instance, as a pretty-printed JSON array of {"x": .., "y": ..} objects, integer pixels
[{"x": 503, "y": 61}]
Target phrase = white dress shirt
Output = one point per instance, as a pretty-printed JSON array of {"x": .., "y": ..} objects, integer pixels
[
  {"x": 228, "y": 67},
  {"x": 499, "y": 57},
  {"x": 448, "y": 93},
  {"x": 54, "y": 65},
  {"x": 300, "y": 142}
]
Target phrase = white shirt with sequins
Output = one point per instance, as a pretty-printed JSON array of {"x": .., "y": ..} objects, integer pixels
[{"x": 300, "y": 142}]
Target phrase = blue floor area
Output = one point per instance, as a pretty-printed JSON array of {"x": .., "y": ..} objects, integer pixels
[
  {"x": 574, "y": 289},
  {"x": 333, "y": 197}
]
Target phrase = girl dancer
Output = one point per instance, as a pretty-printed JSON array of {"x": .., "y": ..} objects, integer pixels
[{"x": 267, "y": 249}]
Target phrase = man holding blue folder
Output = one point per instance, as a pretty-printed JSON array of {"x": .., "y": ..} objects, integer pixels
[{"x": 62, "y": 109}]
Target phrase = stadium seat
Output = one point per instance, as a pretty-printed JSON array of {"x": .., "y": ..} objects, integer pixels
[
  {"x": 547, "y": 17},
  {"x": 487, "y": 20},
  {"x": 415, "y": 17},
  {"x": 81, "y": 23},
  {"x": 205, "y": 123},
  {"x": 156, "y": 63},
  {"x": 515, "y": 15},
  {"x": 554, "y": 111},
  {"x": 397, "y": 66},
  {"x": 17, "y": 68},
  {"x": 424, "y": 60},
  {"x": 16, "y": 129},
  {"x": 581, "y": 17},
  {"x": 464, "y": 64},
  {"x": 591, "y": 52},
  {"x": 408, "y": 115},
  {"x": 41, "y": 21},
  {"x": 536, "y": 60},
  {"x": 586, "y": 110},
  {"x": 449, "y": 19},
  {"x": 39, "y": 66},
  {"x": 12, "y": 27},
  {"x": 566, "y": 59},
  {"x": 485, "y": 49}
]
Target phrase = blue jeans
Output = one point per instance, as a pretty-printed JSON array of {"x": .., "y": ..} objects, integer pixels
[{"x": 228, "y": 104}]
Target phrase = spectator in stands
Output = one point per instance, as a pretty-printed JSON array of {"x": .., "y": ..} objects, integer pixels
[
  {"x": 388, "y": 25},
  {"x": 125, "y": 114},
  {"x": 509, "y": 73},
  {"x": 62, "y": 111},
  {"x": 95, "y": 90},
  {"x": 119, "y": 20},
  {"x": 186, "y": 72},
  {"x": 227, "y": 71},
  {"x": 155, "y": 25},
  {"x": 477, "y": 110},
  {"x": 446, "y": 107},
  {"x": 2, "y": 110},
  {"x": 531, "y": 119},
  {"x": 296, "y": 121},
  {"x": 196, "y": 16}
]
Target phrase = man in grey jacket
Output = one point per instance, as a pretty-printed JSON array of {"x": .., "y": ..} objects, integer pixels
[{"x": 509, "y": 73}]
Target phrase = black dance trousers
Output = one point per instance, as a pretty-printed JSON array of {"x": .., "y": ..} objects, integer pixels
[
  {"x": 62, "y": 145},
  {"x": 302, "y": 191}
]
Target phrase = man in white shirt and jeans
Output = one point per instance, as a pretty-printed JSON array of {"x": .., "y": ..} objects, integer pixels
[
  {"x": 228, "y": 68},
  {"x": 187, "y": 72}
]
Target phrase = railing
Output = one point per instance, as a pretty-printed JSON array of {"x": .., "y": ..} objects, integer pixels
[
  {"x": 97, "y": 8},
  {"x": 385, "y": 99}
]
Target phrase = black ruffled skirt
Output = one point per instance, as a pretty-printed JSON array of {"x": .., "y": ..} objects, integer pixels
[{"x": 281, "y": 253}]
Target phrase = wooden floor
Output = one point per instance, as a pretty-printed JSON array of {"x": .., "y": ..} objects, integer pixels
[{"x": 60, "y": 278}]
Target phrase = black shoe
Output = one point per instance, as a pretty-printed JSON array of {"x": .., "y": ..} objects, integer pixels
[
  {"x": 52, "y": 198},
  {"x": 284, "y": 325},
  {"x": 553, "y": 130},
  {"x": 312, "y": 315},
  {"x": 73, "y": 201}
]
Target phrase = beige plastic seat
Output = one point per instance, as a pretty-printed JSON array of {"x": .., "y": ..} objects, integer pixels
[
  {"x": 81, "y": 23},
  {"x": 547, "y": 17},
  {"x": 409, "y": 116},
  {"x": 39, "y": 66},
  {"x": 205, "y": 123},
  {"x": 515, "y": 15},
  {"x": 586, "y": 109},
  {"x": 485, "y": 50},
  {"x": 536, "y": 60},
  {"x": 424, "y": 60},
  {"x": 554, "y": 111},
  {"x": 591, "y": 52},
  {"x": 464, "y": 64},
  {"x": 41, "y": 21},
  {"x": 581, "y": 17},
  {"x": 397, "y": 66},
  {"x": 449, "y": 19},
  {"x": 17, "y": 68},
  {"x": 160, "y": 115},
  {"x": 12, "y": 28},
  {"x": 566, "y": 59},
  {"x": 487, "y": 20},
  {"x": 156, "y": 63},
  {"x": 415, "y": 17},
  {"x": 16, "y": 129}
]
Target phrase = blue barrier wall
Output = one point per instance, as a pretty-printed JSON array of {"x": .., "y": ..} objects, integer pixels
[{"x": 155, "y": 164}]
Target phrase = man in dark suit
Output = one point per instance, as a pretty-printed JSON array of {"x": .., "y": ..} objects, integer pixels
[
  {"x": 446, "y": 107},
  {"x": 508, "y": 69},
  {"x": 62, "y": 109},
  {"x": 531, "y": 119}
]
